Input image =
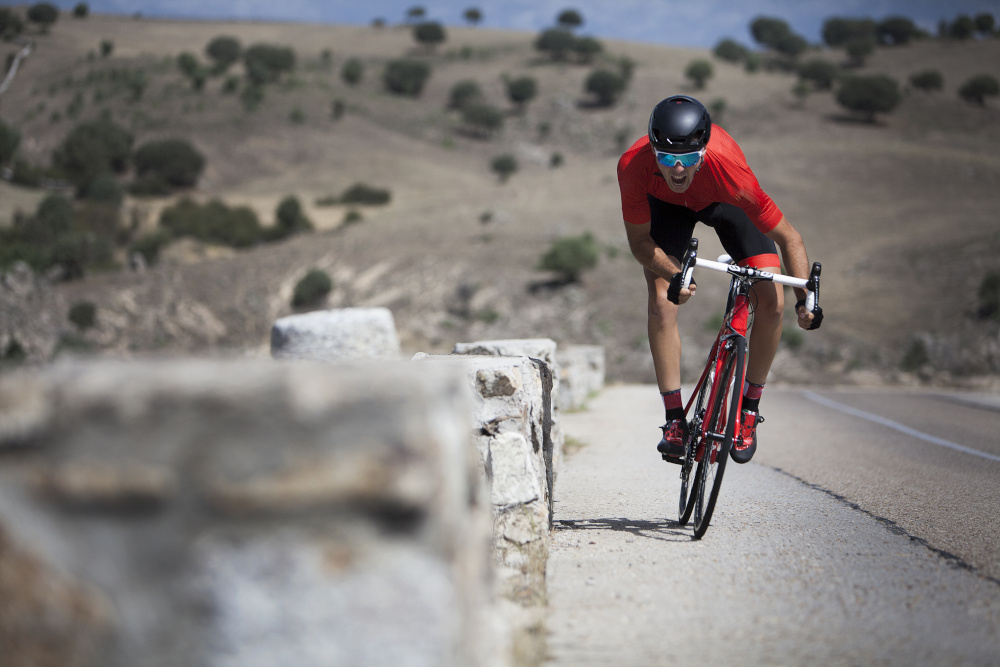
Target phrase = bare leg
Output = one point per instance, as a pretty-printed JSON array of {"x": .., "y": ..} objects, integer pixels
[
  {"x": 664, "y": 338},
  {"x": 766, "y": 334}
]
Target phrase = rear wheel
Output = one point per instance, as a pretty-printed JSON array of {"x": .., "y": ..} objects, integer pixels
[{"x": 719, "y": 434}]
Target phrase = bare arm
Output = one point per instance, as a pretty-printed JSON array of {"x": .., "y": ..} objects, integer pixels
[
  {"x": 793, "y": 254},
  {"x": 652, "y": 257}
]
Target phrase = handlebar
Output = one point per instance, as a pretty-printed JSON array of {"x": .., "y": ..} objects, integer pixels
[{"x": 811, "y": 285}]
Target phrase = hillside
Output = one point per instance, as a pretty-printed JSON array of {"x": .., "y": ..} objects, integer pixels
[{"x": 900, "y": 213}]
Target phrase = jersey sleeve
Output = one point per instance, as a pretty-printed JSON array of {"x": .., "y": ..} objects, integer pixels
[
  {"x": 739, "y": 186},
  {"x": 632, "y": 181}
]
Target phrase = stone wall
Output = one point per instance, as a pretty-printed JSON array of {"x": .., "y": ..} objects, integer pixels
[
  {"x": 242, "y": 513},
  {"x": 360, "y": 511}
]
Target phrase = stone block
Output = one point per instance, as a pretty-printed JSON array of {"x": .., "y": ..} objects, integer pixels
[
  {"x": 336, "y": 335},
  {"x": 209, "y": 512}
]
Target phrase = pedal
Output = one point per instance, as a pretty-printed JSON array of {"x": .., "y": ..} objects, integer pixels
[{"x": 671, "y": 459}]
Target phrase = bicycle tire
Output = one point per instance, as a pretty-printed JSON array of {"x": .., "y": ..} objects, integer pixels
[
  {"x": 710, "y": 473},
  {"x": 688, "y": 482}
]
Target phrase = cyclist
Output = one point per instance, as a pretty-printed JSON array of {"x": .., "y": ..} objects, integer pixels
[{"x": 687, "y": 170}]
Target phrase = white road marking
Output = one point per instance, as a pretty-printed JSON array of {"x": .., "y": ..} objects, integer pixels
[{"x": 846, "y": 409}]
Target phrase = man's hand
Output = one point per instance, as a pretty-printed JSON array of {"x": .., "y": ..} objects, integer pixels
[
  {"x": 808, "y": 320},
  {"x": 677, "y": 295}
]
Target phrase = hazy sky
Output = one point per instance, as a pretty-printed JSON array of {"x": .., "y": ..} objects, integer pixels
[{"x": 680, "y": 22}]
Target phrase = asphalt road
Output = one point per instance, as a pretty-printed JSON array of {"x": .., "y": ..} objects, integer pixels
[{"x": 858, "y": 535}]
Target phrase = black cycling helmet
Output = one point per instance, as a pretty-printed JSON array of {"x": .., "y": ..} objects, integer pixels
[{"x": 679, "y": 124}]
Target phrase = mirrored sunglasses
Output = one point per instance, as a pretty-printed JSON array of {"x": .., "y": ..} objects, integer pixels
[{"x": 685, "y": 159}]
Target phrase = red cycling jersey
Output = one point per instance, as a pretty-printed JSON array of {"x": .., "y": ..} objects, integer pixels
[{"x": 723, "y": 177}]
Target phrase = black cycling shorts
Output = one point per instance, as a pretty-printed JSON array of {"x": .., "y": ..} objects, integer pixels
[{"x": 672, "y": 227}]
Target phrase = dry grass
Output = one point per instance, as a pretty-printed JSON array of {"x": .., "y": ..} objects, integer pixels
[{"x": 902, "y": 214}]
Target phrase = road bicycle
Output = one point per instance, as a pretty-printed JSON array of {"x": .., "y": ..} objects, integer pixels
[{"x": 713, "y": 410}]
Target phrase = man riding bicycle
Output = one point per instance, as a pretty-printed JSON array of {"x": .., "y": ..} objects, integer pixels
[{"x": 687, "y": 170}]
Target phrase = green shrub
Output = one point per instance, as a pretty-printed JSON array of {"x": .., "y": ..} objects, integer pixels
[
  {"x": 605, "y": 85},
  {"x": 14, "y": 352},
  {"x": 312, "y": 289},
  {"x": 521, "y": 90},
  {"x": 989, "y": 296},
  {"x": 429, "y": 34},
  {"x": 359, "y": 193},
  {"x": 978, "y": 88},
  {"x": 557, "y": 43},
  {"x": 504, "y": 166},
  {"x": 83, "y": 314},
  {"x": 81, "y": 10},
  {"x": 571, "y": 256},
  {"x": 481, "y": 119},
  {"x": 730, "y": 50},
  {"x": 107, "y": 48},
  {"x": 406, "y": 76},
  {"x": 44, "y": 14},
  {"x": 927, "y": 80},
  {"x": 265, "y": 63},
  {"x": 463, "y": 93},
  {"x": 176, "y": 161},
  {"x": 91, "y": 149},
  {"x": 585, "y": 48},
  {"x": 820, "y": 72},
  {"x": 297, "y": 116},
  {"x": 188, "y": 64},
  {"x": 699, "y": 72},
  {"x": 916, "y": 357},
  {"x": 224, "y": 51},
  {"x": 252, "y": 96},
  {"x": 214, "y": 223},
  {"x": 869, "y": 95},
  {"x": 11, "y": 23},
  {"x": 290, "y": 217},
  {"x": 352, "y": 72},
  {"x": 556, "y": 160},
  {"x": 352, "y": 216}
]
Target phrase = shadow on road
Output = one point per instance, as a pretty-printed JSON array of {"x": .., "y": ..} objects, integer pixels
[{"x": 667, "y": 530}]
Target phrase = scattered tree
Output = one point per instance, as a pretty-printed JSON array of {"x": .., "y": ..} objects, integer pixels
[
  {"x": 91, "y": 149},
  {"x": 775, "y": 34},
  {"x": 312, "y": 289},
  {"x": 869, "y": 95},
  {"x": 585, "y": 48},
  {"x": 839, "y": 32},
  {"x": 406, "y": 76},
  {"x": 896, "y": 31},
  {"x": 472, "y": 15},
  {"x": 504, "y": 166},
  {"x": 352, "y": 71},
  {"x": 820, "y": 72},
  {"x": 464, "y": 93},
  {"x": 175, "y": 161},
  {"x": 265, "y": 63},
  {"x": 730, "y": 50},
  {"x": 699, "y": 72},
  {"x": 415, "y": 13},
  {"x": 978, "y": 88},
  {"x": 858, "y": 50},
  {"x": 984, "y": 24},
  {"x": 521, "y": 90},
  {"x": 81, "y": 10},
  {"x": 429, "y": 34},
  {"x": 927, "y": 80},
  {"x": 44, "y": 14},
  {"x": 962, "y": 28},
  {"x": 11, "y": 23},
  {"x": 224, "y": 51},
  {"x": 569, "y": 19},
  {"x": 605, "y": 85},
  {"x": 107, "y": 48},
  {"x": 290, "y": 218},
  {"x": 556, "y": 42}
]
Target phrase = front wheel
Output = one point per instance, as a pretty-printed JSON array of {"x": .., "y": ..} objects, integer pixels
[
  {"x": 718, "y": 434},
  {"x": 689, "y": 482}
]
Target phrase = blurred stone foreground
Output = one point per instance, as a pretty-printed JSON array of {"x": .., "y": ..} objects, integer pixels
[{"x": 334, "y": 506}]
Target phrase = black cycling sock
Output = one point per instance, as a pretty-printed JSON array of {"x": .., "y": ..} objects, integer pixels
[
  {"x": 672, "y": 404},
  {"x": 754, "y": 391}
]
